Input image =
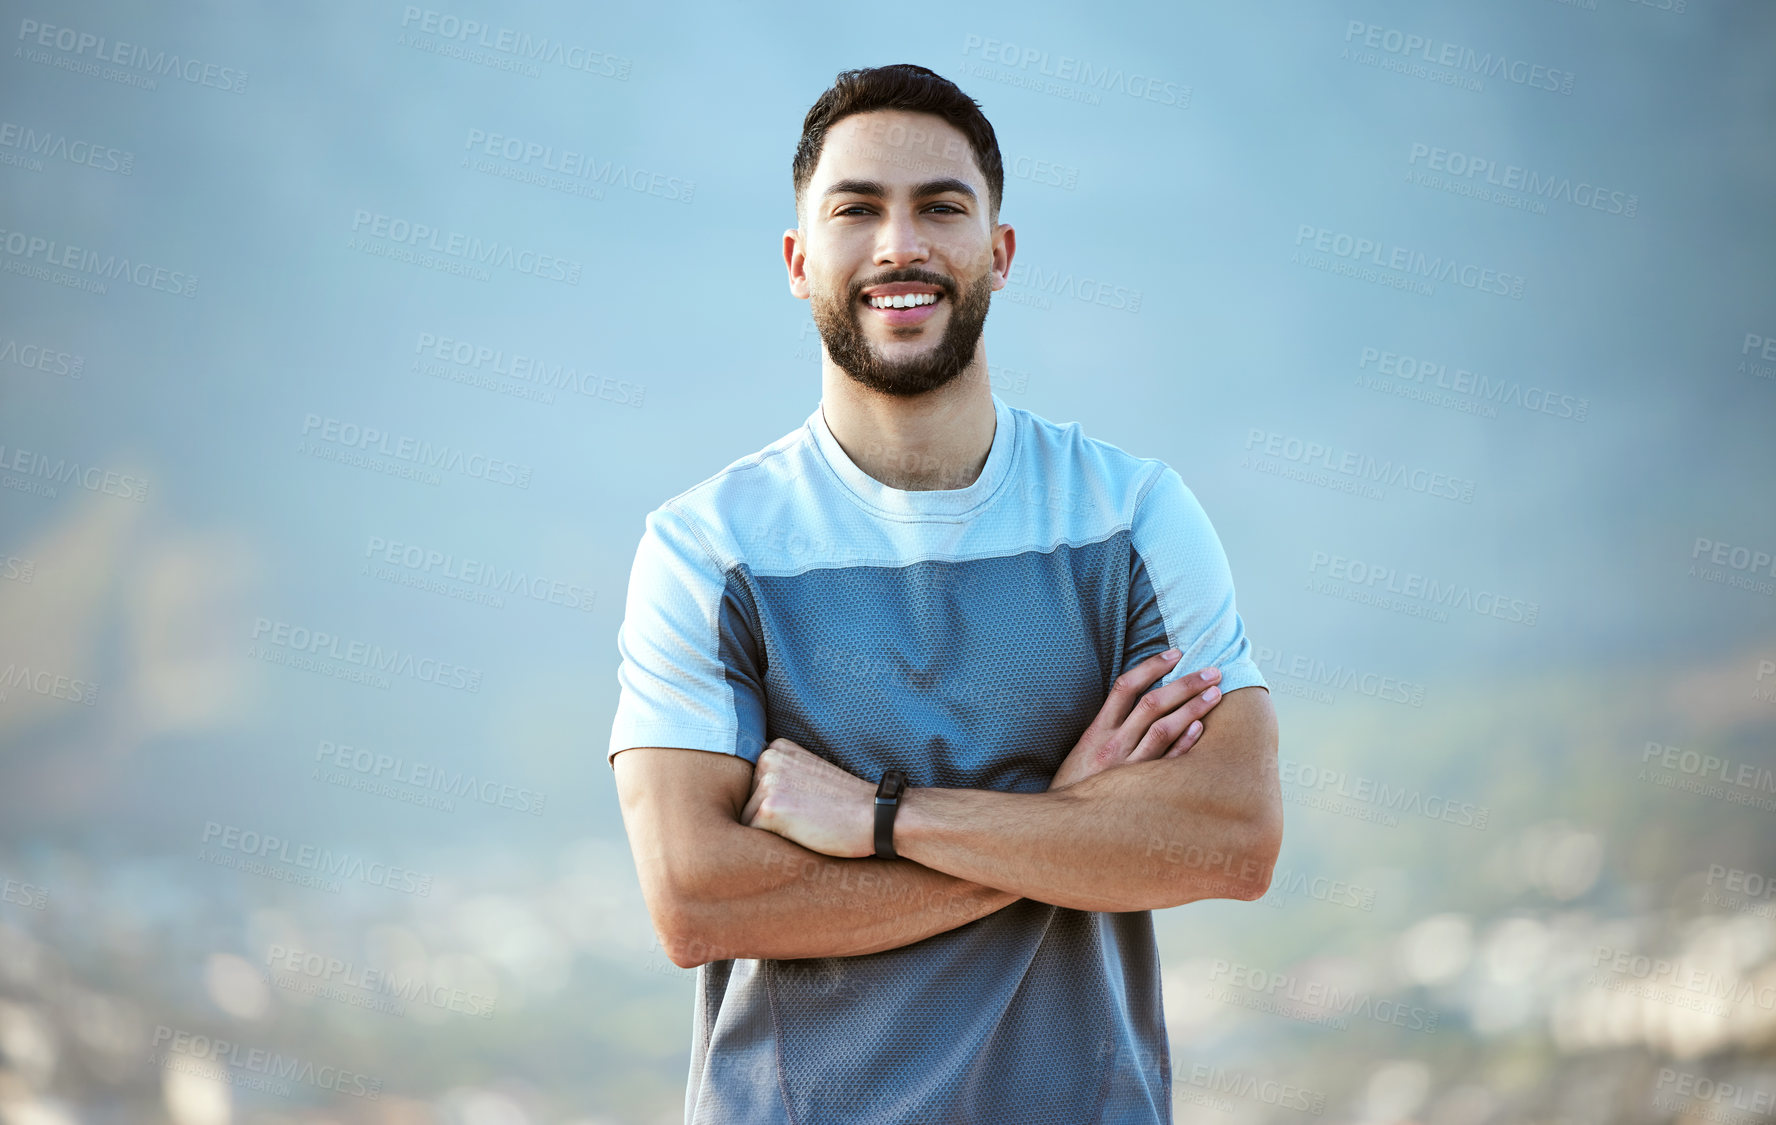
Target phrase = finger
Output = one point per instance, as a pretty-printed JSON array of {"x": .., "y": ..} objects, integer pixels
[
  {"x": 1161, "y": 736},
  {"x": 755, "y": 798},
  {"x": 1189, "y": 697},
  {"x": 1193, "y": 712},
  {"x": 1185, "y": 688},
  {"x": 1128, "y": 687},
  {"x": 1186, "y": 740},
  {"x": 1200, "y": 704}
]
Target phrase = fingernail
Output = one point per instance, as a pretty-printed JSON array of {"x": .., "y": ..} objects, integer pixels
[
  {"x": 1194, "y": 728},
  {"x": 1211, "y": 674},
  {"x": 1170, "y": 654},
  {"x": 1212, "y": 694}
]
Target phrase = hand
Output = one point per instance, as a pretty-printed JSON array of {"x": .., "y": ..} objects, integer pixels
[
  {"x": 806, "y": 799},
  {"x": 1160, "y": 724}
]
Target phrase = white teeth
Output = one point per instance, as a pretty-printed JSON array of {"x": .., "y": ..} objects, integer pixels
[{"x": 903, "y": 301}]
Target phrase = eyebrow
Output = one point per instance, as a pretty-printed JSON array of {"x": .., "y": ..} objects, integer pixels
[{"x": 922, "y": 191}]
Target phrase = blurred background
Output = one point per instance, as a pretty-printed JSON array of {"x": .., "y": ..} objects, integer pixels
[{"x": 343, "y": 351}]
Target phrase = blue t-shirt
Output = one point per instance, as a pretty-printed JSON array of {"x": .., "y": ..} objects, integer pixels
[{"x": 967, "y": 636}]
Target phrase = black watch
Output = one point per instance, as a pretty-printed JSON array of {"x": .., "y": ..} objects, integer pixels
[{"x": 893, "y": 784}]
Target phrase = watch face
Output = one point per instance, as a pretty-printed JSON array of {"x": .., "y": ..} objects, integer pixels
[{"x": 893, "y": 783}]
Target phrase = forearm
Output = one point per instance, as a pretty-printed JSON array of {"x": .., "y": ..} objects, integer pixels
[
  {"x": 758, "y": 895},
  {"x": 1145, "y": 836}
]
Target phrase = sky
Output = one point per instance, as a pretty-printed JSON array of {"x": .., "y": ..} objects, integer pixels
[{"x": 1513, "y": 259}]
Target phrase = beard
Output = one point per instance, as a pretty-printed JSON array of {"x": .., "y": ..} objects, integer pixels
[{"x": 841, "y": 328}]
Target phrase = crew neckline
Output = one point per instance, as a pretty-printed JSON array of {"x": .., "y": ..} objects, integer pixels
[{"x": 923, "y": 503}]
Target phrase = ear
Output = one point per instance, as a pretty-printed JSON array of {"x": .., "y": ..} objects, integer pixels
[
  {"x": 1004, "y": 246},
  {"x": 796, "y": 262}
]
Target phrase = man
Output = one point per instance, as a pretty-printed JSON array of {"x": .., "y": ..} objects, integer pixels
[{"x": 921, "y": 578}]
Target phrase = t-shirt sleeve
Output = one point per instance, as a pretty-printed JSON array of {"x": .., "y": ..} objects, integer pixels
[
  {"x": 689, "y": 674},
  {"x": 1181, "y": 589}
]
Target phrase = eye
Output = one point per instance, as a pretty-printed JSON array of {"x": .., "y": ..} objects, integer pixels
[{"x": 953, "y": 209}]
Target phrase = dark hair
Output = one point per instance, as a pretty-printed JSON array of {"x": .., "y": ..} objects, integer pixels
[{"x": 901, "y": 86}]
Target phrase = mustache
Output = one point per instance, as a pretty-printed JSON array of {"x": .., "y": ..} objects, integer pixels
[{"x": 915, "y": 277}]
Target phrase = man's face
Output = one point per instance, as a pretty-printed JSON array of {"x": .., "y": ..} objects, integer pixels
[{"x": 897, "y": 208}]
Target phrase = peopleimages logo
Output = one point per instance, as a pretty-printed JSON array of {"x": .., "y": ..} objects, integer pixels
[
  {"x": 1512, "y": 177},
  {"x": 91, "y": 266},
  {"x": 1360, "y": 466},
  {"x": 1067, "y": 69},
  {"x": 1658, "y": 972},
  {"x": 311, "y": 642},
  {"x": 40, "y": 473},
  {"x": 573, "y": 165},
  {"x": 1755, "y": 561},
  {"x": 469, "y": 249},
  {"x": 43, "y": 682},
  {"x": 1381, "y": 795},
  {"x": 39, "y": 357},
  {"x": 420, "y": 456},
  {"x": 1312, "y": 1001},
  {"x": 23, "y": 894},
  {"x": 519, "y": 366},
  {"x": 1408, "y": 262},
  {"x": 263, "y": 848},
  {"x": 1320, "y": 888},
  {"x": 477, "y": 575},
  {"x": 30, "y": 143},
  {"x": 1456, "y": 57},
  {"x": 1046, "y": 283},
  {"x": 83, "y": 45},
  {"x": 299, "y": 970},
  {"x": 1339, "y": 677},
  {"x": 515, "y": 43},
  {"x": 1420, "y": 590},
  {"x": 171, "y": 1043},
  {"x": 1270, "y": 1091},
  {"x": 395, "y": 769},
  {"x": 1694, "y": 762},
  {"x": 1481, "y": 394},
  {"x": 1730, "y": 1099},
  {"x": 1750, "y": 891}
]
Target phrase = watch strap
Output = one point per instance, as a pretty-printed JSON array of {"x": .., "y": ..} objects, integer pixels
[{"x": 888, "y": 793}]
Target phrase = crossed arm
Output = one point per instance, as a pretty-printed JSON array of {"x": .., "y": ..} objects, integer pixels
[
  {"x": 1144, "y": 835},
  {"x": 718, "y": 889}
]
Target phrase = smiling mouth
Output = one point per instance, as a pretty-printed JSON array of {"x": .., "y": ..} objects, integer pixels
[{"x": 903, "y": 301}]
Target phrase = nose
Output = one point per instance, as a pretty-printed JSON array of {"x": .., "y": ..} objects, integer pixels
[{"x": 899, "y": 241}]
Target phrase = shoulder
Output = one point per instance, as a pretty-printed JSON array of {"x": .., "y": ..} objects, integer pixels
[
  {"x": 749, "y": 491},
  {"x": 1101, "y": 472}
]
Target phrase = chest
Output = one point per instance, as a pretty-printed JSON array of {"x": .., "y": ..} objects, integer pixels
[{"x": 978, "y": 673}]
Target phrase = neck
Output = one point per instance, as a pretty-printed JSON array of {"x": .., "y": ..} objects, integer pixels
[{"x": 937, "y": 440}]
